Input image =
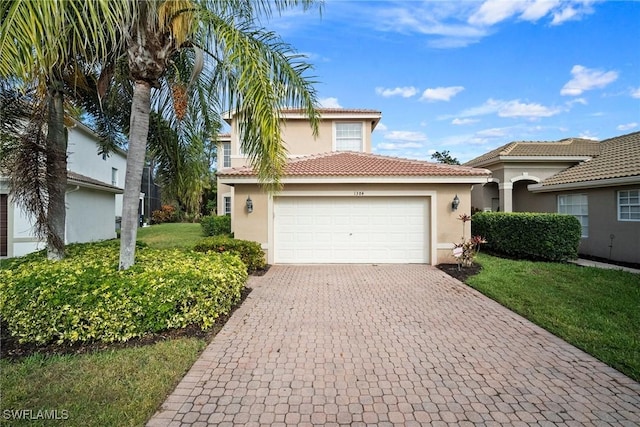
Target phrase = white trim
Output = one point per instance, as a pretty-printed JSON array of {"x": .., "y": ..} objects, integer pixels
[
  {"x": 618, "y": 205},
  {"x": 535, "y": 159},
  {"x": 525, "y": 177},
  {"x": 361, "y": 180},
  {"x": 611, "y": 182},
  {"x": 432, "y": 225}
]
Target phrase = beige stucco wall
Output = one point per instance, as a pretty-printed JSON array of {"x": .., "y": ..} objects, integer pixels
[
  {"x": 603, "y": 222},
  {"x": 448, "y": 228}
]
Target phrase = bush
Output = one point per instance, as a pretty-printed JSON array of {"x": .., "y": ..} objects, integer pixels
[
  {"x": 538, "y": 236},
  {"x": 167, "y": 213},
  {"x": 216, "y": 225},
  {"x": 249, "y": 252},
  {"x": 85, "y": 298}
]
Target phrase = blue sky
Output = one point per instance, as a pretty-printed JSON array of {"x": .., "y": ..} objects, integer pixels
[{"x": 469, "y": 76}]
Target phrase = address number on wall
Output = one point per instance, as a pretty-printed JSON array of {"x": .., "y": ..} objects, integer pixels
[{"x": 358, "y": 193}]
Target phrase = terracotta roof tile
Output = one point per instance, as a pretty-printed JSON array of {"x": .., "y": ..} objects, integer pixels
[
  {"x": 619, "y": 157},
  {"x": 571, "y": 147},
  {"x": 348, "y": 163}
]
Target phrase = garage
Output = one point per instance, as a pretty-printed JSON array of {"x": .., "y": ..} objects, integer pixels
[{"x": 351, "y": 230}]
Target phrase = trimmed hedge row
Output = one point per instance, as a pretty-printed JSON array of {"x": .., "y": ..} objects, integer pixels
[
  {"x": 216, "y": 225},
  {"x": 539, "y": 236},
  {"x": 85, "y": 298},
  {"x": 250, "y": 253}
]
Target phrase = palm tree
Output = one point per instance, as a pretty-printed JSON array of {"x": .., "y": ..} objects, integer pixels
[
  {"x": 254, "y": 73},
  {"x": 42, "y": 45}
]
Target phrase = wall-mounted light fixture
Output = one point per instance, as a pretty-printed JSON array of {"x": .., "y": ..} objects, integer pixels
[
  {"x": 455, "y": 203},
  {"x": 249, "y": 205}
]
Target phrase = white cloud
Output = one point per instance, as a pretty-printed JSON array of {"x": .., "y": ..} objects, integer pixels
[
  {"x": 329, "y": 103},
  {"x": 461, "y": 122},
  {"x": 441, "y": 93},
  {"x": 587, "y": 79},
  {"x": 404, "y": 135},
  {"x": 627, "y": 126},
  {"x": 492, "y": 12},
  {"x": 405, "y": 92},
  {"x": 513, "y": 108},
  {"x": 588, "y": 135},
  {"x": 380, "y": 127},
  {"x": 517, "y": 109},
  {"x": 492, "y": 133},
  {"x": 398, "y": 146},
  {"x": 635, "y": 93}
]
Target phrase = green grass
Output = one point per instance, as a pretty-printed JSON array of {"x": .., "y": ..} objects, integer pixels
[
  {"x": 594, "y": 309},
  {"x": 171, "y": 235},
  {"x": 108, "y": 388}
]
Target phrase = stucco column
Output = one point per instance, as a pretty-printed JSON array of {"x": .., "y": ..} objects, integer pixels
[{"x": 506, "y": 194}]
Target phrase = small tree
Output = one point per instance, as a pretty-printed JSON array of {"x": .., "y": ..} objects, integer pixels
[{"x": 444, "y": 157}]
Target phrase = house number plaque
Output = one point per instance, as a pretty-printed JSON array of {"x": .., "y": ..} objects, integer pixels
[{"x": 358, "y": 193}]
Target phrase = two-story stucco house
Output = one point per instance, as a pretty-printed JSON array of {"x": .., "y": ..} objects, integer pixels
[
  {"x": 598, "y": 182},
  {"x": 340, "y": 203},
  {"x": 93, "y": 198}
]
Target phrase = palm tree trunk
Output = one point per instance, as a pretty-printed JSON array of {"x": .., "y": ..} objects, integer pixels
[
  {"x": 139, "y": 130},
  {"x": 56, "y": 176}
]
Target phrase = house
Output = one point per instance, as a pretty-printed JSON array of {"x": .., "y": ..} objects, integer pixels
[
  {"x": 93, "y": 198},
  {"x": 598, "y": 182},
  {"x": 339, "y": 203}
]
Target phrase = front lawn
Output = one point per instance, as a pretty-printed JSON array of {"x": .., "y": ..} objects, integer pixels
[
  {"x": 171, "y": 235},
  {"x": 594, "y": 309}
]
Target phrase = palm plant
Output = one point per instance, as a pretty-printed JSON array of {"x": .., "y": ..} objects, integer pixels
[
  {"x": 42, "y": 45},
  {"x": 249, "y": 69}
]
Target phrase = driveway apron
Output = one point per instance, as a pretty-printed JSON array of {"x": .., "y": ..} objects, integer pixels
[{"x": 390, "y": 345}]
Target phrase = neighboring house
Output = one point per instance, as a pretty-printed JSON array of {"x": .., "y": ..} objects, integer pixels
[
  {"x": 341, "y": 204},
  {"x": 598, "y": 182},
  {"x": 93, "y": 198}
]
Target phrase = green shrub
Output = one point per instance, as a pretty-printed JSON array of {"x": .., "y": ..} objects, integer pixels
[
  {"x": 85, "y": 298},
  {"x": 250, "y": 252},
  {"x": 216, "y": 225},
  {"x": 168, "y": 213},
  {"x": 538, "y": 236}
]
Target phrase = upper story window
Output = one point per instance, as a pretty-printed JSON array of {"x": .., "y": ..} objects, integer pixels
[
  {"x": 578, "y": 206},
  {"x": 629, "y": 205},
  {"x": 226, "y": 154},
  {"x": 349, "y": 137},
  {"x": 114, "y": 177}
]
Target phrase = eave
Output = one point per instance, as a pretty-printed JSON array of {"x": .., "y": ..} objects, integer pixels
[{"x": 582, "y": 185}]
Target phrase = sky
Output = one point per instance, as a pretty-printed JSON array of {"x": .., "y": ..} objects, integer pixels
[{"x": 470, "y": 76}]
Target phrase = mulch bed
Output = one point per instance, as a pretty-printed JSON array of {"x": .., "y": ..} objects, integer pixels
[{"x": 461, "y": 273}]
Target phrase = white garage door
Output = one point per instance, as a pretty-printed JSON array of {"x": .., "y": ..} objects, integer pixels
[{"x": 351, "y": 230}]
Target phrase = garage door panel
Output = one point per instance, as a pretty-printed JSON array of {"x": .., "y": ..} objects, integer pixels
[{"x": 351, "y": 230}]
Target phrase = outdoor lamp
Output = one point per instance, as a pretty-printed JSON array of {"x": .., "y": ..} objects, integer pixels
[
  {"x": 249, "y": 204},
  {"x": 455, "y": 203}
]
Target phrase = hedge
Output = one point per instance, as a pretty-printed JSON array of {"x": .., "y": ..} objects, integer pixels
[
  {"x": 537, "y": 236},
  {"x": 216, "y": 225},
  {"x": 85, "y": 298},
  {"x": 250, "y": 253}
]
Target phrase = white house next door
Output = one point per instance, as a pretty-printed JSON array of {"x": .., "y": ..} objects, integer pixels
[{"x": 351, "y": 230}]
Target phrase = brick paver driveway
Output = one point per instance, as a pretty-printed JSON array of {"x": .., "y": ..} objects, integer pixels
[{"x": 390, "y": 345}]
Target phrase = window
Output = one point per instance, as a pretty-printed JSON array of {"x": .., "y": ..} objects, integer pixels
[
  {"x": 576, "y": 205},
  {"x": 226, "y": 154},
  {"x": 114, "y": 177},
  {"x": 629, "y": 205},
  {"x": 227, "y": 205},
  {"x": 349, "y": 137}
]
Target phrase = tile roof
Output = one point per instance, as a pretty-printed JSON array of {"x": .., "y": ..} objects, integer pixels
[
  {"x": 83, "y": 179},
  {"x": 619, "y": 157},
  {"x": 570, "y": 147},
  {"x": 349, "y": 163}
]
